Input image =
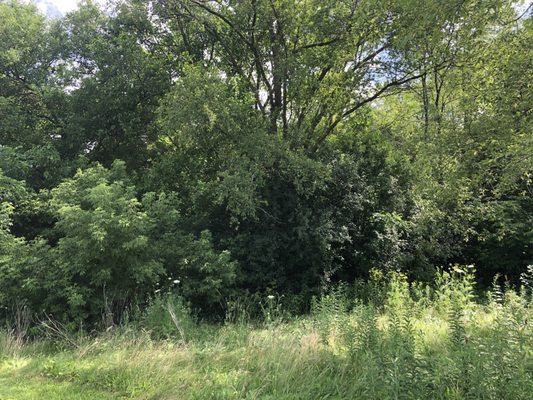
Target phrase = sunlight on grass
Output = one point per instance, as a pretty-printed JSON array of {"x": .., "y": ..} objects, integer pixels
[
  {"x": 19, "y": 380},
  {"x": 445, "y": 346}
]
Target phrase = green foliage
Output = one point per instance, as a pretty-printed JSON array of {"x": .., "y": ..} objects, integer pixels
[
  {"x": 423, "y": 341},
  {"x": 206, "y": 275},
  {"x": 118, "y": 84},
  {"x": 409, "y": 346},
  {"x": 168, "y": 317},
  {"x": 465, "y": 131},
  {"x": 112, "y": 248},
  {"x": 22, "y": 267},
  {"x": 103, "y": 251},
  {"x": 212, "y": 135},
  {"x": 109, "y": 250},
  {"x": 267, "y": 147}
]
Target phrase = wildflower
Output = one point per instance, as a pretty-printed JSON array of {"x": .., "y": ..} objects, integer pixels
[
  {"x": 176, "y": 281},
  {"x": 270, "y": 297}
]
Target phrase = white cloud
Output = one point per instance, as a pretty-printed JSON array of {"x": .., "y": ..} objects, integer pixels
[
  {"x": 63, "y": 6},
  {"x": 69, "y": 5}
]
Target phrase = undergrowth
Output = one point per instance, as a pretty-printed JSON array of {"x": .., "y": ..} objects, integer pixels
[{"x": 384, "y": 339}]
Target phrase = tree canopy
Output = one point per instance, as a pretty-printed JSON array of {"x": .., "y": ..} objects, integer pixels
[{"x": 258, "y": 146}]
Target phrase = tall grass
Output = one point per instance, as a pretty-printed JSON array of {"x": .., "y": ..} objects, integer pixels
[{"x": 384, "y": 339}]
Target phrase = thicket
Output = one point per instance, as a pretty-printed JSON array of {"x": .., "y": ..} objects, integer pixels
[{"x": 257, "y": 148}]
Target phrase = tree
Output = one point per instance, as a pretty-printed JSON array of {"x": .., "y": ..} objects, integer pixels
[
  {"x": 468, "y": 137},
  {"x": 310, "y": 71},
  {"x": 116, "y": 83},
  {"x": 498, "y": 156},
  {"x": 31, "y": 92}
]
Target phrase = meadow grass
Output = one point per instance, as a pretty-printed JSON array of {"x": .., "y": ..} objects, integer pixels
[{"x": 395, "y": 341}]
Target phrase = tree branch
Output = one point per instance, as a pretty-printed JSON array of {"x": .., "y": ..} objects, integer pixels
[{"x": 360, "y": 104}]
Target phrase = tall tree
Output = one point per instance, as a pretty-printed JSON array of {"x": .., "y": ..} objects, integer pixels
[{"x": 312, "y": 64}]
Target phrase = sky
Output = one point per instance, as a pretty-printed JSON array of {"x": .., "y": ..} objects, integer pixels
[
  {"x": 64, "y": 6},
  {"x": 61, "y": 6}
]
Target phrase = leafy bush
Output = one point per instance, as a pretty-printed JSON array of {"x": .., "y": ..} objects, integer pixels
[
  {"x": 104, "y": 254},
  {"x": 106, "y": 251}
]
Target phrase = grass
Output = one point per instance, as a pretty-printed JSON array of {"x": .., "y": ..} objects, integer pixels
[
  {"x": 18, "y": 382},
  {"x": 414, "y": 343}
]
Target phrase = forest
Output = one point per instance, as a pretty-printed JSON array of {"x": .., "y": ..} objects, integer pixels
[{"x": 243, "y": 177}]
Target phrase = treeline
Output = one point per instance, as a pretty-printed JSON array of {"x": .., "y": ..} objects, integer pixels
[{"x": 258, "y": 146}]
